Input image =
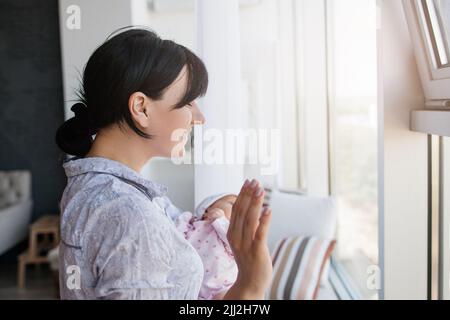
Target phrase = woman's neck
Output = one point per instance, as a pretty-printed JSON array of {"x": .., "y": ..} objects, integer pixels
[{"x": 114, "y": 144}]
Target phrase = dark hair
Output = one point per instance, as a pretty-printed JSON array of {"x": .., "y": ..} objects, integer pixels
[{"x": 130, "y": 61}]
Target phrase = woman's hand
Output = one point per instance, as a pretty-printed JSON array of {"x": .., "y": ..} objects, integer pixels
[{"x": 247, "y": 236}]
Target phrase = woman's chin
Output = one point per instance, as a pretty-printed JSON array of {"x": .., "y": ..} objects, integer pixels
[{"x": 177, "y": 154}]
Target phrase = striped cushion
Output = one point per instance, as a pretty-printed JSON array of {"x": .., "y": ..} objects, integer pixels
[{"x": 298, "y": 263}]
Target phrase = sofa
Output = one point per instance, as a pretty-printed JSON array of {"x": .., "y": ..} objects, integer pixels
[
  {"x": 295, "y": 214},
  {"x": 15, "y": 207}
]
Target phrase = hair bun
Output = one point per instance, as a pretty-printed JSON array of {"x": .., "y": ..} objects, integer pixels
[
  {"x": 80, "y": 110},
  {"x": 75, "y": 135}
]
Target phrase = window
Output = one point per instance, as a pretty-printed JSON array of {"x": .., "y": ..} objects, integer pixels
[
  {"x": 435, "y": 16},
  {"x": 270, "y": 72},
  {"x": 352, "y": 77},
  {"x": 429, "y": 27},
  {"x": 443, "y": 10}
]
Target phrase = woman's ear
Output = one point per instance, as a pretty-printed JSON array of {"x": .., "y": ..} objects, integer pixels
[{"x": 139, "y": 104}]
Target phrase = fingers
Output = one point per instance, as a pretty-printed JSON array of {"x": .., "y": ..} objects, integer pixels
[
  {"x": 233, "y": 234},
  {"x": 244, "y": 205},
  {"x": 252, "y": 217},
  {"x": 248, "y": 194},
  {"x": 236, "y": 205},
  {"x": 240, "y": 209},
  {"x": 263, "y": 228}
]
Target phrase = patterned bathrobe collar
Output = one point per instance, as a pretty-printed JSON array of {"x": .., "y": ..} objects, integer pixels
[{"x": 78, "y": 166}]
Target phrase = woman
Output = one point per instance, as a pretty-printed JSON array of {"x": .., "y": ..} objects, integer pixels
[{"x": 117, "y": 242}]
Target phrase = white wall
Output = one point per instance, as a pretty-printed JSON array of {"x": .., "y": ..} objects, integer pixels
[
  {"x": 99, "y": 18},
  {"x": 174, "y": 24},
  {"x": 402, "y": 162}
]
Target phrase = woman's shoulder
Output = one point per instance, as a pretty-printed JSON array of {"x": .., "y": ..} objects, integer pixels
[
  {"x": 110, "y": 205},
  {"x": 94, "y": 181}
]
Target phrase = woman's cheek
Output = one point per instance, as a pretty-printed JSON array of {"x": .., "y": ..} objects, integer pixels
[
  {"x": 175, "y": 131},
  {"x": 178, "y": 143}
]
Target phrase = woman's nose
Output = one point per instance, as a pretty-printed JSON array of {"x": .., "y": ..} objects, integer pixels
[{"x": 197, "y": 115}]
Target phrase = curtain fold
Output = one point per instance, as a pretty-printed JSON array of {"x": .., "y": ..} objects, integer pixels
[{"x": 218, "y": 44}]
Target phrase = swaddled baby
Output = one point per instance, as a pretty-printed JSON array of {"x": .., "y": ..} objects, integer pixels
[{"x": 207, "y": 232}]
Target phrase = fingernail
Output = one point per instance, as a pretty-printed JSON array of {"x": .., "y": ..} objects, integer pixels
[
  {"x": 266, "y": 211},
  {"x": 259, "y": 192},
  {"x": 246, "y": 182},
  {"x": 254, "y": 183}
]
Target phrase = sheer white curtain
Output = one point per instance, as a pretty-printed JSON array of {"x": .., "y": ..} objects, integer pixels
[{"x": 218, "y": 44}]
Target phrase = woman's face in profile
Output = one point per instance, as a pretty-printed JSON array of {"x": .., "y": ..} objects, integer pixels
[{"x": 171, "y": 127}]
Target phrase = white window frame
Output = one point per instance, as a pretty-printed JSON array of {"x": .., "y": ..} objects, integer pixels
[
  {"x": 445, "y": 216},
  {"x": 313, "y": 96},
  {"x": 435, "y": 80}
]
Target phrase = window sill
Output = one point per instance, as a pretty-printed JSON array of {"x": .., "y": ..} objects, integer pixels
[{"x": 434, "y": 122}]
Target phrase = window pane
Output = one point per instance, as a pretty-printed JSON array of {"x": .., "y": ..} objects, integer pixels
[
  {"x": 269, "y": 75},
  {"x": 434, "y": 16},
  {"x": 443, "y": 13},
  {"x": 353, "y": 97},
  {"x": 438, "y": 36}
]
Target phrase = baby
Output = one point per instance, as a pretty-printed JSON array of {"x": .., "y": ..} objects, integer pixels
[{"x": 207, "y": 232}]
